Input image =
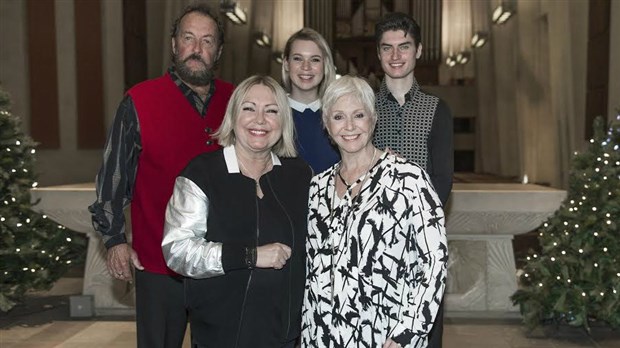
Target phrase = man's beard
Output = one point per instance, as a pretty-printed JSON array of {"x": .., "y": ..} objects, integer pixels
[{"x": 196, "y": 78}]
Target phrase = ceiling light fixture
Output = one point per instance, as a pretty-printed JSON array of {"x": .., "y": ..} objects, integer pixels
[
  {"x": 479, "y": 39},
  {"x": 463, "y": 57},
  {"x": 262, "y": 39},
  {"x": 451, "y": 61},
  {"x": 235, "y": 13},
  {"x": 502, "y": 13},
  {"x": 277, "y": 56}
]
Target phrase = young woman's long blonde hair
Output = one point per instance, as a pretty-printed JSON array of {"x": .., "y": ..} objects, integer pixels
[{"x": 329, "y": 70}]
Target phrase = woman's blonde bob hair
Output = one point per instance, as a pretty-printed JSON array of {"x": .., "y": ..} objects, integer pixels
[
  {"x": 353, "y": 86},
  {"x": 329, "y": 70},
  {"x": 285, "y": 147}
]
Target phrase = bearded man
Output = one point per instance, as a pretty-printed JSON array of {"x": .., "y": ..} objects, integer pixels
[{"x": 160, "y": 125}]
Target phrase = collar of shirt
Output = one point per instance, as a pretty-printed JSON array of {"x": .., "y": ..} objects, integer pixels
[
  {"x": 299, "y": 106},
  {"x": 192, "y": 97},
  {"x": 384, "y": 92},
  {"x": 232, "y": 163}
]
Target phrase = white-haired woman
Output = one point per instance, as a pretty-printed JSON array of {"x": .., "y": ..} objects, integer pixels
[
  {"x": 376, "y": 242},
  {"x": 236, "y": 225}
]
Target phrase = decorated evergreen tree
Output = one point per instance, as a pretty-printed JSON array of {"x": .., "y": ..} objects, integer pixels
[
  {"x": 575, "y": 279},
  {"x": 34, "y": 251}
]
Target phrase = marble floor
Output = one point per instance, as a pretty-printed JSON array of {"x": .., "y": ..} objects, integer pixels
[
  {"x": 460, "y": 334},
  {"x": 43, "y": 322},
  {"x": 457, "y": 334}
]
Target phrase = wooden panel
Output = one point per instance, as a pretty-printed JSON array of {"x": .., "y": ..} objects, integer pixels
[
  {"x": 596, "y": 105},
  {"x": 598, "y": 62},
  {"x": 89, "y": 75},
  {"x": 134, "y": 41},
  {"x": 43, "y": 75}
]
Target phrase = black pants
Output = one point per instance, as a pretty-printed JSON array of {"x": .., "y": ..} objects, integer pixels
[
  {"x": 436, "y": 335},
  {"x": 161, "y": 315},
  {"x": 291, "y": 344}
]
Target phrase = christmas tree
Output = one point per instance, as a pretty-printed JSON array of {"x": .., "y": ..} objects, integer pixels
[
  {"x": 34, "y": 251},
  {"x": 575, "y": 279}
]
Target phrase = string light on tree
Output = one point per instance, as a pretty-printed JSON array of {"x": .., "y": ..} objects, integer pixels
[
  {"x": 27, "y": 237},
  {"x": 578, "y": 266}
]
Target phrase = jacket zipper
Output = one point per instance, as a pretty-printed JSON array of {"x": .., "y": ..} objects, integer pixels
[
  {"x": 290, "y": 277},
  {"x": 290, "y": 271},
  {"x": 247, "y": 287}
]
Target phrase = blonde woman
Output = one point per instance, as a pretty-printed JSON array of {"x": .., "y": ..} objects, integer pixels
[
  {"x": 307, "y": 69},
  {"x": 236, "y": 226}
]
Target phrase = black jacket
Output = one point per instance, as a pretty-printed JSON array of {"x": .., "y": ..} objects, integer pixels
[{"x": 244, "y": 307}]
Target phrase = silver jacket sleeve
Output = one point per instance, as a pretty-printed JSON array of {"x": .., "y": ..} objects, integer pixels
[{"x": 185, "y": 249}]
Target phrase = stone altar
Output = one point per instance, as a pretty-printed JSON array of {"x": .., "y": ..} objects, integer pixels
[
  {"x": 68, "y": 205},
  {"x": 482, "y": 221}
]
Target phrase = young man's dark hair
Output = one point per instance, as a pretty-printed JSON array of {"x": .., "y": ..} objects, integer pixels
[
  {"x": 398, "y": 21},
  {"x": 204, "y": 10}
]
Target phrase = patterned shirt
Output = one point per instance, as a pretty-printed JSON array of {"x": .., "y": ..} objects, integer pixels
[
  {"x": 194, "y": 99},
  {"x": 117, "y": 175},
  {"x": 419, "y": 130},
  {"x": 376, "y": 263}
]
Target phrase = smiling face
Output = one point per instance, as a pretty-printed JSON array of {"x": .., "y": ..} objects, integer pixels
[
  {"x": 305, "y": 66},
  {"x": 349, "y": 124},
  {"x": 196, "y": 49},
  {"x": 398, "y": 54},
  {"x": 258, "y": 125}
]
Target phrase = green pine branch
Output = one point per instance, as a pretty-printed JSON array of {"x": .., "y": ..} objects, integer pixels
[
  {"x": 575, "y": 280},
  {"x": 34, "y": 251}
]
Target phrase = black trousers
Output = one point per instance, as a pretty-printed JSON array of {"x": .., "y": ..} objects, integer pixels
[
  {"x": 436, "y": 335},
  {"x": 161, "y": 314},
  {"x": 288, "y": 345}
]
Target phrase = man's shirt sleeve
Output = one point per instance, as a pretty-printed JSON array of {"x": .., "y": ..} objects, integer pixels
[
  {"x": 115, "y": 180},
  {"x": 441, "y": 151}
]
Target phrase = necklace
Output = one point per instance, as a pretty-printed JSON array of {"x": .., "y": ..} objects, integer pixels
[
  {"x": 343, "y": 181},
  {"x": 255, "y": 177},
  {"x": 361, "y": 178}
]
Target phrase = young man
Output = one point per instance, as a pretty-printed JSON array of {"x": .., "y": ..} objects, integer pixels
[
  {"x": 160, "y": 125},
  {"x": 416, "y": 125}
]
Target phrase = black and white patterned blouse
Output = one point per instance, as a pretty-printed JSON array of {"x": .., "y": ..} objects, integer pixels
[{"x": 376, "y": 263}]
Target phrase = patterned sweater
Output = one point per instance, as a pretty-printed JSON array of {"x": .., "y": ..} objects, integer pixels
[
  {"x": 376, "y": 262},
  {"x": 421, "y": 130}
]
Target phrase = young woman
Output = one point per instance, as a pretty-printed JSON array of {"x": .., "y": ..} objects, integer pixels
[{"x": 307, "y": 69}]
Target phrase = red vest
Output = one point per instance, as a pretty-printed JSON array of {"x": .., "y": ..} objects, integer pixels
[{"x": 172, "y": 132}]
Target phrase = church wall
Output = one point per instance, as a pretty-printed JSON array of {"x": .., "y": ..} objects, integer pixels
[
  {"x": 531, "y": 89},
  {"x": 536, "y": 124},
  {"x": 530, "y": 78},
  {"x": 67, "y": 163},
  {"x": 13, "y": 57}
]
